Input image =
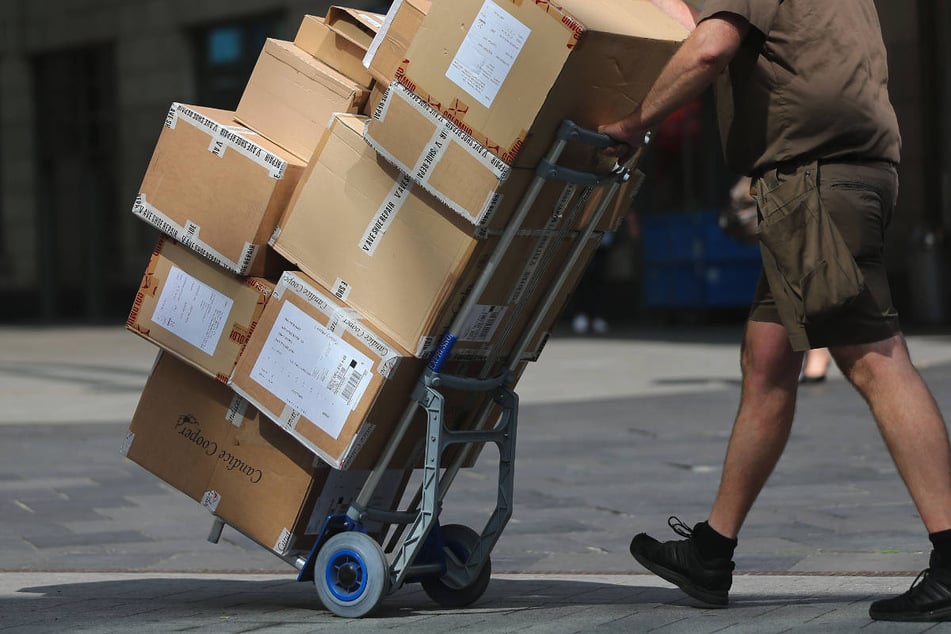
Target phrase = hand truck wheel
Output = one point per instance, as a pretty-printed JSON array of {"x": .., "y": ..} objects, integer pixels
[
  {"x": 460, "y": 541},
  {"x": 351, "y": 574}
]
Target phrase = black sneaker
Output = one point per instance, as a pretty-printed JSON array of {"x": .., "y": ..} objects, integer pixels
[
  {"x": 680, "y": 563},
  {"x": 928, "y": 598}
]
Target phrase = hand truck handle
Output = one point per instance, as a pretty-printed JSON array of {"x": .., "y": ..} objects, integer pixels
[{"x": 571, "y": 131}]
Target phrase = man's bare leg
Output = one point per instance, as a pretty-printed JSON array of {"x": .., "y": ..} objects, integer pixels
[
  {"x": 909, "y": 421},
  {"x": 761, "y": 429}
]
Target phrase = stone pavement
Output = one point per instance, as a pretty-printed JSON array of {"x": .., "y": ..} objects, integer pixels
[{"x": 615, "y": 434}]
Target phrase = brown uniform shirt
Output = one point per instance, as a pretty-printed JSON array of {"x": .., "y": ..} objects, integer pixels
[{"x": 809, "y": 82}]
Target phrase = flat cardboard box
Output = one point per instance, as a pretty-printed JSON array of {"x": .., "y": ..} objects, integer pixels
[
  {"x": 361, "y": 229},
  {"x": 196, "y": 310},
  {"x": 388, "y": 49},
  {"x": 315, "y": 37},
  {"x": 502, "y": 76},
  {"x": 318, "y": 369},
  {"x": 201, "y": 438},
  {"x": 217, "y": 188},
  {"x": 291, "y": 96}
]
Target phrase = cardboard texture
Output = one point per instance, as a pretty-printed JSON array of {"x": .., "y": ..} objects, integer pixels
[
  {"x": 315, "y": 37},
  {"x": 201, "y": 438},
  {"x": 316, "y": 368},
  {"x": 291, "y": 96},
  {"x": 506, "y": 70},
  {"x": 495, "y": 79},
  {"x": 217, "y": 188},
  {"x": 388, "y": 49},
  {"x": 196, "y": 310},
  {"x": 377, "y": 92},
  {"x": 359, "y": 228},
  {"x": 490, "y": 192},
  {"x": 355, "y": 25}
]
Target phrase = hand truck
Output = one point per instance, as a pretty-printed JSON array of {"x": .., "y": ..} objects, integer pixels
[{"x": 349, "y": 567}]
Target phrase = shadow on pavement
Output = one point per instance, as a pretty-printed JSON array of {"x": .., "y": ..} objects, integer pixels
[{"x": 127, "y": 603}]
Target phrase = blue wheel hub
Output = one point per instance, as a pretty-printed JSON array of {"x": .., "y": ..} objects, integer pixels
[{"x": 346, "y": 575}]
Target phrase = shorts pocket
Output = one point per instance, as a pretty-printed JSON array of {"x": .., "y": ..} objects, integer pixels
[{"x": 809, "y": 253}]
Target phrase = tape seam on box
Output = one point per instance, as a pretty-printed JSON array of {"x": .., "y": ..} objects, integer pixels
[
  {"x": 381, "y": 33},
  {"x": 386, "y": 214},
  {"x": 446, "y": 133},
  {"x": 232, "y": 136}
]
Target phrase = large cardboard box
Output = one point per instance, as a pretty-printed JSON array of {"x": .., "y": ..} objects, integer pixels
[
  {"x": 291, "y": 96},
  {"x": 200, "y": 437},
  {"x": 318, "y": 369},
  {"x": 388, "y": 48},
  {"x": 507, "y": 73},
  {"x": 218, "y": 188},
  {"x": 196, "y": 310},
  {"x": 340, "y": 40},
  {"x": 361, "y": 229}
]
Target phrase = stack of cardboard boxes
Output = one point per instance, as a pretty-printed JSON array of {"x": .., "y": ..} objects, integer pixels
[{"x": 324, "y": 235}]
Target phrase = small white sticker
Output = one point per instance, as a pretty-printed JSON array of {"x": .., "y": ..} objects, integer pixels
[
  {"x": 237, "y": 411},
  {"x": 312, "y": 370},
  {"x": 482, "y": 323},
  {"x": 210, "y": 500},
  {"x": 192, "y": 310},
  {"x": 488, "y": 53},
  {"x": 284, "y": 542},
  {"x": 341, "y": 289},
  {"x": 127, "y": 443}
]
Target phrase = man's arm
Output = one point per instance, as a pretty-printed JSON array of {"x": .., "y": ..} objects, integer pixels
[
  {"x": 680, "y": 11},
  {"x": 693, "y": 68}
]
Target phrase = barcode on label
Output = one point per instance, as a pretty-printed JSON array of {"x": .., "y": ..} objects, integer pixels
[{"x": 352, "y": 384}]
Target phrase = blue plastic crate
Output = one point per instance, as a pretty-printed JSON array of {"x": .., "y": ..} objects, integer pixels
[
  {"x": 719, "y": 247},
  {"x": 673, "y": 285},
  {"x": 672, "y": 237},
  {"x": 730, "y": 284}
]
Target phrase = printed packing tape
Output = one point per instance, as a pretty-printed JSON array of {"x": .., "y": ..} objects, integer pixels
[{"x": 225, "y": 136}]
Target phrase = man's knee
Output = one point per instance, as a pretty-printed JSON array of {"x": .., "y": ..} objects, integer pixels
[
  {"x": 767, "y": 357},
  {"x": 867, "y": 364}
]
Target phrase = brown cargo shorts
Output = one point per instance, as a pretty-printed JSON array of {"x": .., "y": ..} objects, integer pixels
[{"x": 859, "y": 198}]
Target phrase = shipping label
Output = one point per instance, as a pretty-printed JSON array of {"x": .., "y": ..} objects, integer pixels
[
  {"x": 312, "y": 370},
  {"x": 190, "y": 309},
  {"x": 341, "y": 316},
  {"x": 487, "y": 53}
]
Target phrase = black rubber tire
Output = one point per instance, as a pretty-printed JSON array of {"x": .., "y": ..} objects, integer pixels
[{"x": 461, "y": 540}]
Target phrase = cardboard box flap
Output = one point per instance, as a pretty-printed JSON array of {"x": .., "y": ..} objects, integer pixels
[
  {"x": 354, "y": 25},
  {"x": 315, "y": 70}
]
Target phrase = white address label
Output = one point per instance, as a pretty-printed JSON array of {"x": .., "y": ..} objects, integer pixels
[{"x": 190, "y": 309}]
